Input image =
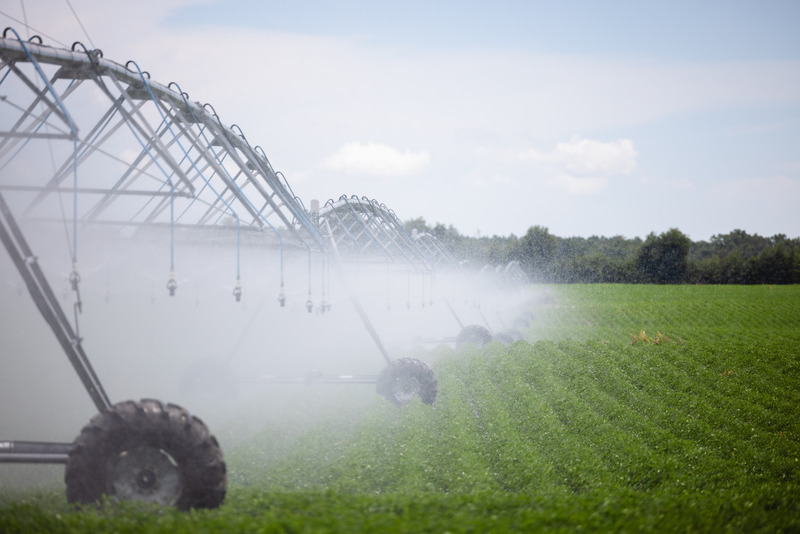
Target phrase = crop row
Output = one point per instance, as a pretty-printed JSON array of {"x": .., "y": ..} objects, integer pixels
[
  {"x": 726, "y": 311},
  {"x": 574, "y": 416},
  {"x": 712, "y": 411},
  {"x": 580, "y": 425}
]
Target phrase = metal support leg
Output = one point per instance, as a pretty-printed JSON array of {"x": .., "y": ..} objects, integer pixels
[
  {"x": 337, "y": 265},
  {"x": 42, "y": 294}
]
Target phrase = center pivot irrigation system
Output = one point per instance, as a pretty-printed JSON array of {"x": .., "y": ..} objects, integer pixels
[{"x": 92, "y": 149}]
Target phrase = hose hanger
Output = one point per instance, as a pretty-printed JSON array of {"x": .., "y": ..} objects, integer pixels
[
  {"x": 281, "y": 188},
  {"x": 282, "y": 291},
  {"x": 74, "y": 275},
  {"x": 93, "y": 55},
  {"x": 237, "y": 289},
  {"x": 184, "y": 95},
  {"x": 172, "y": 283}
]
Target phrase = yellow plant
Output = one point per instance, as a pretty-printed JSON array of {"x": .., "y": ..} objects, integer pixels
[{"x": 642, "y": 338}]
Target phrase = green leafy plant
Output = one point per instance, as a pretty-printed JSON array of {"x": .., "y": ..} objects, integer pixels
[{"x": 577, "y": 428}]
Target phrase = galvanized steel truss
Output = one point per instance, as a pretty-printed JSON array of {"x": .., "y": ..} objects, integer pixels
[{"x": 128, "y": 152}]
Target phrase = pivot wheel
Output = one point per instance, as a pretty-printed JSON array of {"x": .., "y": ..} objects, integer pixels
[
  {"x": 474, "y": 334},
  {"x": 406, "y": 378},
  {"x": 146, "y": 451},
  {"x": 508, "y": 337}
]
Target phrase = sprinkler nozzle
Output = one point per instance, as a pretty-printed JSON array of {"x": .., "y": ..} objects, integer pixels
[
  {"x": 74, "y": 277},
  {"x": 172, "y": 285},
  {"x": 282, "y": 297}
]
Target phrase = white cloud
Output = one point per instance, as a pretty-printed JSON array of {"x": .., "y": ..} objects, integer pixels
[
  {"x": 585, "y": 157},
  {"x": 375, "y": 159},
  {"x": 583, "y": 166}
]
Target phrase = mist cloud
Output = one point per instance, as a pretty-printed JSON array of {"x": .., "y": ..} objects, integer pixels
[{"x": 375, "y": 159}]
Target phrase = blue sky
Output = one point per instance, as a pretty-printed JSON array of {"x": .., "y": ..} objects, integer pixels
[
  {"x": 589, "y": 118},
  {"x": 720, "y": 30}
]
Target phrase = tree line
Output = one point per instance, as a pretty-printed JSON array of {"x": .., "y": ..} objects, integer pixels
[{"x": 667, "y": 258}]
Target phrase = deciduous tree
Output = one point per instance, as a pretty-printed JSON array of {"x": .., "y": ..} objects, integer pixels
[{"x": 663, "y": 259}]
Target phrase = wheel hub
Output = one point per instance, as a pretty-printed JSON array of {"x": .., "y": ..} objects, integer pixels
[
  {"x": 146, "y": 479},
  {"x": 405, "y": 388},
  {"x": 146, "y": 474}
]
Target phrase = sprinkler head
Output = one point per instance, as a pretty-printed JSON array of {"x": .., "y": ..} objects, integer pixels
[
  {"x": 172, "y": 285},
  {"x": 310, "y": 305},
  {"x": 237, "y": 291},
  {"x": 74, "y": 278},
  {"x": 282, "y": 298}
]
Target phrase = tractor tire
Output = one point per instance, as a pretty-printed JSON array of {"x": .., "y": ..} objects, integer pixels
[
  {"x": 503, "y": 338},
  {"x": 406, "y": 378},
  {"x": 475, "y": 334},
  {"x": 146, "y": 451},
  {"x": 508, "y": 337},
  {"x": 524, "y": 320}
]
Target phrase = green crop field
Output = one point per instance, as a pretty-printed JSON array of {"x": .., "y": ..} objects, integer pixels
[{"x": 655, "y": 408}]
